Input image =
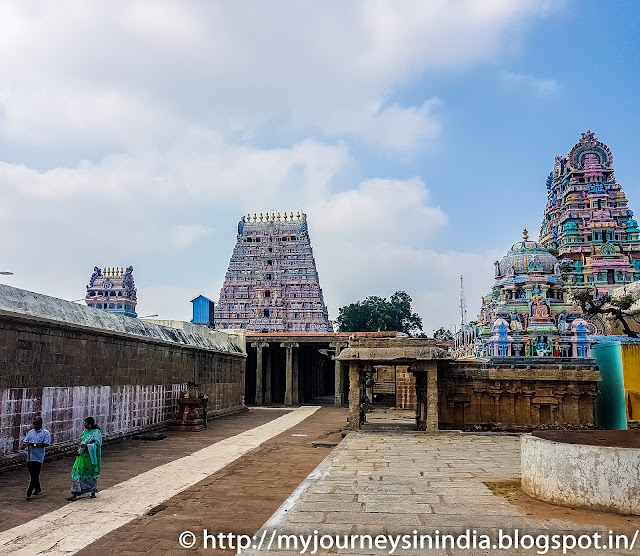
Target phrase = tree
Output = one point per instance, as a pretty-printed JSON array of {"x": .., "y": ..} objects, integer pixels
[
  {"x": 442, "y": 334},
  {"x": 614, "y": 307},
  {"x": 377, "y": 314}
]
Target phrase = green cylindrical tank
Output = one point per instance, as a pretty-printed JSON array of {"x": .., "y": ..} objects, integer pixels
[{"x": 611, "y": 408}]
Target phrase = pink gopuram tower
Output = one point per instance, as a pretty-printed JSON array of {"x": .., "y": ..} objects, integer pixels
[
  {"x": 272, "y": 283},
  {"x": 588, "y": 221}
]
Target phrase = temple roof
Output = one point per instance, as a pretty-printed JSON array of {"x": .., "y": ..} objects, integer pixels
[{"x": 526, "y": 257}]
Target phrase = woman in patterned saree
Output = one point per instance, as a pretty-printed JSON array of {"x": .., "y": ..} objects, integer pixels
[{"x": 86, "y": 468}]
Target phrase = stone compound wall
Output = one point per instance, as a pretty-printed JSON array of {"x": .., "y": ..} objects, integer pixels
[
  {"x": 516, "y": 397},
  {"x": 128, "y": 382},
  {"x": 596, "y": 477}
]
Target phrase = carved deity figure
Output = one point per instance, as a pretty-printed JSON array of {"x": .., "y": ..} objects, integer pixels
[
  {"x": 540, "y": 312},
  {"x": 96, "y": 273},
  {"x": 563, "y": 325},
  {"x": 515, "y": 323}
]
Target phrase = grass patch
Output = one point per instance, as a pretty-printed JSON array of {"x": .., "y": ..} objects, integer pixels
[{"x": 506, "y": 489}]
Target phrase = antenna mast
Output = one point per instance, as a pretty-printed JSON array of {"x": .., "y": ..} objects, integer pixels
[{"x": 463, "y": 303}]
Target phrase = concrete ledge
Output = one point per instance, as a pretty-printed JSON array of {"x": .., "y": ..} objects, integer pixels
[{"x": 596, "y": 477}]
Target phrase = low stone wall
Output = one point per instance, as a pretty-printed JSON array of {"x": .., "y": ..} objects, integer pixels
[
  {"x": 516, "y": 397},
  {"x": 597, "y": 477},
  {"x": 127, "y": 375}
]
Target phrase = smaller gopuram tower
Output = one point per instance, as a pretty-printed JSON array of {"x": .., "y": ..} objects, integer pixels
[
  {"x": 112, "y": 290},
  {"x": 272, "y": 283},
  {"x": 588, "y": 221},
  {"x": 529, "y": 311}
]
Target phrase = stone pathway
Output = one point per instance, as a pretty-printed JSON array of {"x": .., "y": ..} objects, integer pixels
[
  {"x": 390, "y": 483},
  {"x": 372, "y": 483},
  {"x": 121, "y": 460},
  {"x": 237, "y": 499},
  {"x": 76, "y": 525}
]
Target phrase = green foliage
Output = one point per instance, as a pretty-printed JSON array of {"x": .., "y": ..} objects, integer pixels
[
  {"x": 623, "y": 302},
  {"x": 442, "y": 334},
  {"x": 567, "y": 266},
  {"x": 606, "y": 305},
  {"x": 377, "y": 314},
  {"x": 553, "y": 251}
]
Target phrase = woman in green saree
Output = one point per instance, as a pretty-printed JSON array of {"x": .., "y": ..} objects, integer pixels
[{"x": 84, "y": 475}]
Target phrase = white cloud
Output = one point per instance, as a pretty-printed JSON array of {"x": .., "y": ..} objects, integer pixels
[
  {"x": 149, "y": 210},
  {"x": 187, "y": 234},
  {"x": 392, "y": 129},
  {"x": 538, "y": 86},
  {"x": 375, "y": 240},
  {"x": 136, "y": 129},
  {"x": 118, "y": 75}
]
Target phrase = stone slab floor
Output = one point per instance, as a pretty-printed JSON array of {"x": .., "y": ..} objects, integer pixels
[
  {"x": 396, "y": 483},
  {"x": 371, "y": 483}
]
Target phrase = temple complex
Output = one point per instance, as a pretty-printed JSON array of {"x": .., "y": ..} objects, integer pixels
[
  {"x": 112, "y": 290},
  {"x": 529, "y": 311},
  {"x": 272, "y": 283},
  {"x": 587, "y": 219}
]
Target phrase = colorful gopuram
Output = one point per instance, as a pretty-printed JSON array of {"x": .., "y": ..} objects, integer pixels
[
  {"x": 529, "y": 311},
  {"x": 272, "y": 283},
  {"x": 588, "y": 221},
  {"x": 112, "y": 290}
]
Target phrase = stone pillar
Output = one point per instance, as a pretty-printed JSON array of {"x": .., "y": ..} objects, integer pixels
[
  {"x": 432, "y": 397},
  {"x": 338, "y": 390},
  {"x": 295, "y": 398},
  {"x": 354, "y": 396},
  {"x": 421, "y": 400},
  {"x": 267, "y": 379},
  {"x": 288, "y": 387},
  {"x": 259, "y": 346},
  {"x": 426, "y": 375}
]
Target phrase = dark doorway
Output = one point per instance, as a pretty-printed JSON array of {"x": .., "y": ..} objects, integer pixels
[{"x": 545, "y": 414}]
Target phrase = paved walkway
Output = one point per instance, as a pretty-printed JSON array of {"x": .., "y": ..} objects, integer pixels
[
  {"x": 76, "y": 525},
  {"x": 274, "y": 477},
  {"x": 390, "y": 483},
  {"x": 121, "y": 461},
  {"x": 237, "y": 499}
]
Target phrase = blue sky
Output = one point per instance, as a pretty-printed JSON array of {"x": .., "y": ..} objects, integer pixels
[{"x": 416, "y": 135}]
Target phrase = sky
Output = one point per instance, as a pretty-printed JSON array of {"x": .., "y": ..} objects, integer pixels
[{"x": 417, "y": 136}]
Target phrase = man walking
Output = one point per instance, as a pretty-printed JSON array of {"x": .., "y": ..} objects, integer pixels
[{"x": 37, "y": 439}]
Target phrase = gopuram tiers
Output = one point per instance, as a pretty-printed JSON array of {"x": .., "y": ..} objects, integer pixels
[
  {"x": 112, "y": 290},
  {"x": 529, "y": 312},
  {"x": 588, "y": 221},
  {"x": 272, "y": 283}
]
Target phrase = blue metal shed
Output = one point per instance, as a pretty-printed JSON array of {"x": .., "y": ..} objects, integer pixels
[{"x": 202, "y": 311}]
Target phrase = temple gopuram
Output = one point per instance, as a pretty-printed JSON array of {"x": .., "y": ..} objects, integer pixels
[
  {"x": 272, "y": 283},
  {"x": 529, "y": 311},
  {"x": 112, "y": 290},
  {"x": 588, "y": 221}
]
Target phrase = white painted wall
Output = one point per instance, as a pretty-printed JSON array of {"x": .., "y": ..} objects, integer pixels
[{"x": 597, "y": 477}]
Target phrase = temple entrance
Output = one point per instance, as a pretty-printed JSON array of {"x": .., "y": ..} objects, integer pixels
[
  {"x": 287, "y": 369},
  {"x": 366, "y": 358},
  {"x": 384, "y": 386}
]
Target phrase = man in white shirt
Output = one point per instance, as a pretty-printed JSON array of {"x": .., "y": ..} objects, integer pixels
[{"x": 37, "y": 439}]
